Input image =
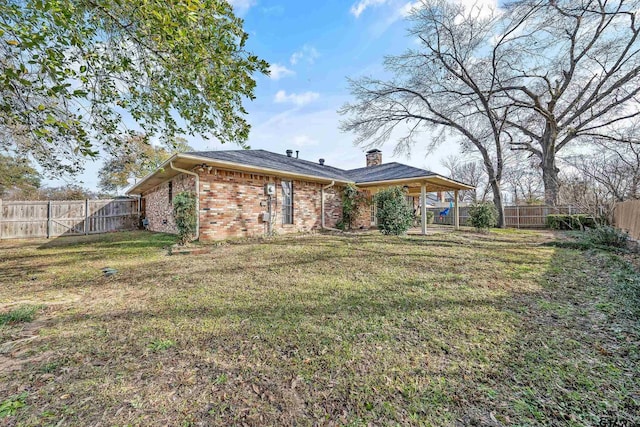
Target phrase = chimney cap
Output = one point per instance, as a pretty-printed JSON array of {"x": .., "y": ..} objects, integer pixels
[
  {"x": 375, "y": 150},
  {"x": 289, "y": 153},
  {"x": 321, "y": 161}
]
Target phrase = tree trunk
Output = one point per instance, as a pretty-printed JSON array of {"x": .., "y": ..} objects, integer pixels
[
  {"x": 550, "y": 179},
  {"x": 497, "y": 201}
]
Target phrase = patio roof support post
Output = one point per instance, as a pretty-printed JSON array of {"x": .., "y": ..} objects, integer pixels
[
  {"x": 423, "y": 208},
  {"x": 456, "y": 214}
]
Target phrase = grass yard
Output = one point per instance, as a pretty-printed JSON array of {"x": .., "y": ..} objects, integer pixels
[{"x": 451, "y": 329}]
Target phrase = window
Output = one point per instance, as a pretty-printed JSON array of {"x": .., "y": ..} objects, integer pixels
[
  {"x": 374, "y": 211},
  {"x": 170, "y": 192},
  {"x": 287, "y": 202}
]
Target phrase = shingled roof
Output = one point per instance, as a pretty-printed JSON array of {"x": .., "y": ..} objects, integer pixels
[
  {"x": 273, "y": 163},
  {"x": 268, "y": 160},
  {"x": 386, "y": 172}
]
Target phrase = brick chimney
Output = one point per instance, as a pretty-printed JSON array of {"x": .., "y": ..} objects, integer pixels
[{"x": 374, "y": 157}]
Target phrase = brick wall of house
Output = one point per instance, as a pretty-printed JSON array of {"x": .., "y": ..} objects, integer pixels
[
  {"x": 158, "y": 208},
  {"x": 232, "y": 204},
  {"x": 332, "y": 206},
  {"x": 363, "y": 219}
]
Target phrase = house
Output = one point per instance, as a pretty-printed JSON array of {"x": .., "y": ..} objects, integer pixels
[{"x": 244, "y": 193}]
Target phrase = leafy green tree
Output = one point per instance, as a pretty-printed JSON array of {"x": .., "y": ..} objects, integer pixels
[
  {"x": 394, "y": 214},
  {"x": 65, "y": 192},
  {"x": 138, "y": 160},
  {"x": 17, "y": 177},
  {"x": 72, "y": 72}
]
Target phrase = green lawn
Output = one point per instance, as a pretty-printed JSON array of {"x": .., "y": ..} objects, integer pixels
[{"x": 452, "y": 329}]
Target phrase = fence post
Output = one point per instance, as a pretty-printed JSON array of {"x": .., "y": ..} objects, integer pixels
[
  {"x": 569, "y": 209},
  {"x": 49, "y": 219},
  {"x": 1, "y": 216},
  {"x": 518, "y": 215},
  {"x": 86, "y": 216}
]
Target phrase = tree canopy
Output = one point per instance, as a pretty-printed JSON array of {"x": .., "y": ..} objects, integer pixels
[
  {"x": 538, "y": 76},
  {"x": 138, "y": 160},
  {"x": 17, "y": 175},
  {"x": 73, "y": 73}
]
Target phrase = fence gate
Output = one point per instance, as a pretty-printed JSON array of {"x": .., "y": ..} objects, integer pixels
[{"x": 37, "y": 219}]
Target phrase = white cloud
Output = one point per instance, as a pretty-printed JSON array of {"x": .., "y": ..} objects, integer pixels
[
  {"x": 357, "y": 8},
  {"x": 409, "y": 7},
  {"x": 242, "y": 6},
  {"x": 398, "y": 9},
  {"x": 277, "y": 71},
  {"x": 298, "y": 99},
  {"x": 307, "y": 53},
  {"x": 303, "y": 141}
]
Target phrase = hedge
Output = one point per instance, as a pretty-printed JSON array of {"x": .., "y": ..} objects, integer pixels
[{"x": 570, "y": 222}]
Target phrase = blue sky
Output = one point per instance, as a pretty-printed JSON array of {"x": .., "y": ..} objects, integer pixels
[{"x": 312, "y": 48}]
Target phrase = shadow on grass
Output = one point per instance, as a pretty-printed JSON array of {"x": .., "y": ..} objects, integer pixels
[{"x": 132, "y": 239}]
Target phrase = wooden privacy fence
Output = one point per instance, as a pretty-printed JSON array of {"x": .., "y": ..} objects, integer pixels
[
  {"x": 32, "y": 219},
  {"x": 626, "y": 216},
  {"x": 514, "y": 216}
]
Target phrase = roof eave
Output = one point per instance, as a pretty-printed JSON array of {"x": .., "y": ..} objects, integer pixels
[
  {"x": 455, "y": 185},
  {"x": 130, "y": 190},
  {"x": 233, "y": 166}
]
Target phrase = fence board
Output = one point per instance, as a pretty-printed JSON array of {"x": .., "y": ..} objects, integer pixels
[
  {"x": 626, "y": 216},
  {"x": 33, "y": 219},
  {"x": 514, "y": 216}
]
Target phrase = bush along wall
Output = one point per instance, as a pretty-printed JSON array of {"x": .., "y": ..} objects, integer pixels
[
  {"x": 570, "y": 222},
  {"x": 394, "y": 214},
  {"x": 353, "y": 201},
  {"x": 184, "y": 211}
]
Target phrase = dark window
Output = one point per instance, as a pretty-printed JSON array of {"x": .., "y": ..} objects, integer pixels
[
  {"x": 170, "y": 192},
  {"x": 287, "y": 202}
]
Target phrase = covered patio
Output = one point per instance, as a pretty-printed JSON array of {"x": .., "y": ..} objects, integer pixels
[{"x": 419, "y": 185}]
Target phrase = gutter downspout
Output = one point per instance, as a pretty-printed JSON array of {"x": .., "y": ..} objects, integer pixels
[
  {"x": 326, "y": 187},
  {"x": 197, "y": 195}
]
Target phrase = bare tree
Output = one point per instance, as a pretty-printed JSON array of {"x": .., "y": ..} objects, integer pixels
[
  {"x": 584, "y": 194},
  {"x": 445, "y": 87},
  {"x": 611, "y": 172},
  {"x": 470, "y": 171},
  {"x": 523, "y": 179},
  {"x": 570, "y": 70}
]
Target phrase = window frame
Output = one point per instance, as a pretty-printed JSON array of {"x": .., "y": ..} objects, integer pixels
[{"x": 287, "y": 208}]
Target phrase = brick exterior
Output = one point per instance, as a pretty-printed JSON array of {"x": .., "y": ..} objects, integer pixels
[
  {"x": 232, "y": 204},
  {"x": 158, "y": 209}
]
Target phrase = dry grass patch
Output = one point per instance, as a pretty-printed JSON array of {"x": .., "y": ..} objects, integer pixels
[{"x": 459, "y": 328}]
